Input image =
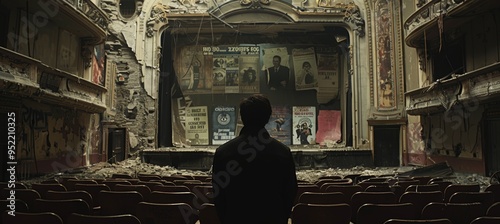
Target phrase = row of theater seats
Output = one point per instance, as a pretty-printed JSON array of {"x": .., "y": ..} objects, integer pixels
[
  {"x": 375, "y": 200},
  {"x": 120, "y": 199}
]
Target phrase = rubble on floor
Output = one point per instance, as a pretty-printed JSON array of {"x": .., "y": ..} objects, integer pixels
[{"x": 134, "y": 166}]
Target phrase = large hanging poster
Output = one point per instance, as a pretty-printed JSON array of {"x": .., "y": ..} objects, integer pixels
[
  {"x": 304, "y": 124},
  {"x": 249, "y": 78},
  {"x": 224, "y": 124},
  {"x": 328, "y": 127},
  {"x": 280, "y": 124},
  {"x": 277, "y": 67},
  {"x": 197, "y": 125},
  {"x": 328, "y": 74},
  {"x": 194, "y": 70},
  {"x": 305, "y": 68}
]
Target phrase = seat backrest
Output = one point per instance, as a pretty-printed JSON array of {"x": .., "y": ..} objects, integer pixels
[
  {"x": 93, "y": 190},
  {"x": 360, "y": 198},
  {"x": 375, "y": 188},
  {"x": 380, "y": 213},
  {"x": 421, "y": 199},
  {"x": 27, "y": 195},
  {"x": 173, "y": 197},
  {"x": 202, "y": 192},
  {"x": 20, "y": 205},
  {"x": 150, "y": 183},
  {"x": 70, "y": 183},
  {"x": 31, "y": 218},
  {"x": 142, "y": 189},
  {"x": 321, "y": 213},
  {"x": 418, "y": 221},
  {"x": 347, "y": 190},
  {"x": 442, "y": 184},
  {"x": 494, "y": 210},
  {"x": 486, "y": 220},
  {"x": 148, "y": 212},
  {"x": 422, "y": 179},
  {"x": 323, "y": 198},
  {"x": 63, "y": 195},
  {"x": 495, "y": 189},
  {"x": 102, "y": 219},
  {"x": 119, "y": 202},
  {"x": 365, "y": 184},
  {"x": 485, "y": 198},
  {"x": 423, "y": 188},
  {"x": 208, "y": 214},
  {"x": 454, "y": 188},
  {"x": 406, "y": 183},
  {"x": 63, "y": 208},
  {"x": 301, "y": 188},
  {"x": 164, "y": 188},
  {"x": 43, "y": 188},
  {"x": 121, "y": 176},
  {"x": 457, "y": 213},
  {"x": 112, "y": 183}
]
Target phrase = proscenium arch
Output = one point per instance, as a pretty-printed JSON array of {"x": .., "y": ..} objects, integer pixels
[{"x": 234, "y": 17}]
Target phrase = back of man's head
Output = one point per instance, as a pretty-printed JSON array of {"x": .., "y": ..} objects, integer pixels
[{"x": 255, "y": 111}]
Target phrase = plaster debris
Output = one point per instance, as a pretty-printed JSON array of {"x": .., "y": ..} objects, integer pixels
[{"x": 134, "y": 166}]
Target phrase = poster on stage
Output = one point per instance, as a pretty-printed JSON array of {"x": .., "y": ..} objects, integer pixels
[
  {"x": 224, "y": 124},
  {"x": 328, "y": 74},
  {"x": 280, "y": 124},
  {"x": 193, "y": 70},
  {"x": 304, "y": 125},
  {"x": 305, "y": 68},
  {"x": 329, "y": 127},
  {"x": 197, "y": 125},
  {"x": 249, "y": 78},
  {"x": 234, "y": 68}
]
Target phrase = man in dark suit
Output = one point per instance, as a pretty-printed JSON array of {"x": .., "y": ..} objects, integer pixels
[
  {"x": 253, "y": 175},
  {"x": 278, "y": 75}
]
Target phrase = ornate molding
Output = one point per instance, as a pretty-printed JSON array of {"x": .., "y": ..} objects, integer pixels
[
  {"x": 254, "y": 4},
  {"x": 157, "y": 16},
  {"x": 353, "y": 15}
]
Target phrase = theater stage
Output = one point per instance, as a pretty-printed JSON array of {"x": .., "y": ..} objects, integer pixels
[{"x": 195, "y": 158}]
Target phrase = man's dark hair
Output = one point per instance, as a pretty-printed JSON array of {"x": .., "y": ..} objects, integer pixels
[{"x": 255, "y": 110}]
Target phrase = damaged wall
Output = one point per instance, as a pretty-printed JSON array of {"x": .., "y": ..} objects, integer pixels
[
  {"x": 135, "y": 107},
  {"x": 55, "y": 138}
]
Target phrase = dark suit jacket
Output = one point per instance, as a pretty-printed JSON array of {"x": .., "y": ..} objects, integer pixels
[
  {"x": 275, "y": 78},
  {"x": 254, "y": 179}
]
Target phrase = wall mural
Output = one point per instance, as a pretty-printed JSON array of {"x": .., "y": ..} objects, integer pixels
[{"x": 385, "y": 55}]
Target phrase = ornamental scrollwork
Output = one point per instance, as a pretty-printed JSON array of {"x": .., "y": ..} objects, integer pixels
[{"x": 353, "y": 15}]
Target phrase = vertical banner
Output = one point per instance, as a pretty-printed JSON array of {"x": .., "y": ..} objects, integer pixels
[
  {"x": 304, "y": 123},
  {"x": 328, "y": 127},
  {"x": 280, "y": 124},
  {"x": 305, "y": 68},
  {"x": 197, "y": 125},
  {"x": 328, "y": 74},
  {"x": 224, "y": 124}
]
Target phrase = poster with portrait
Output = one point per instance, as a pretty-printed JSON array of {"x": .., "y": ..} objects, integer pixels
[
  {"x": 328, "y": 74},
  {"x": 276, "y": 68},
  {"x": 224, "y": 124},
  {"x": 280, "y": 124},
  {"x": 305, "y": 68},
  {"x": 329, "y": 127},
  {"x": 193, "y": 70},
  {"x": 304, "y": 125},
  {"x": 197, "y": 125},
  {"x": 249, "y": 77}
]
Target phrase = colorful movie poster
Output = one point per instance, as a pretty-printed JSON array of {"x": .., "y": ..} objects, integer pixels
[
  {"x": 329, "y": 127},
  {"x": 305, "y": 68},
  {"x": 197, "y": 125},
  {"x": 304, "y": 124},
  {"x": 224, "y": 124},
  {"x": 328, "y": 74},
  {"x": 280, "y": 124}
]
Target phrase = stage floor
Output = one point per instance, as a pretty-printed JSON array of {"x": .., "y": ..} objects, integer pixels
[{"x": 200, "y": 158}]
